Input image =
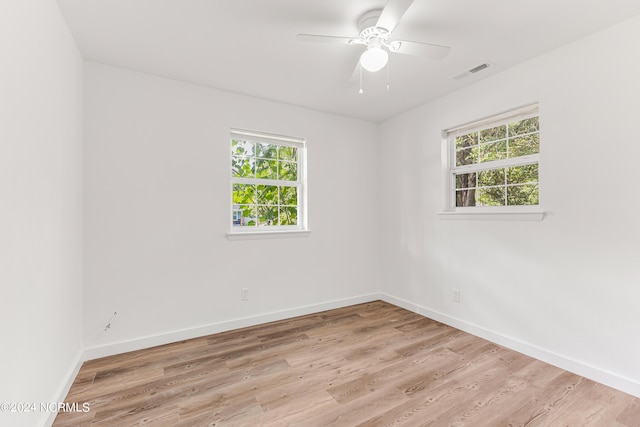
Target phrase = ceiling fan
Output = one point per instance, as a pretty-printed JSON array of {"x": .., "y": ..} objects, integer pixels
[{"x": 375, "y": 34}]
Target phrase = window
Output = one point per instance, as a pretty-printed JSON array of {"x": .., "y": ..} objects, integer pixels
[
  {"x": 267, "y": 182},
  {"x": 492, "y": 164}
]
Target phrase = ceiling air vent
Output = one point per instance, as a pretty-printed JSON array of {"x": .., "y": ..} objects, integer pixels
[{"x": 472, "y": 71}]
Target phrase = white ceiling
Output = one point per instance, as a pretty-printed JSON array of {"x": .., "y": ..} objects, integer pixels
[{"x": 249, "y": 46}]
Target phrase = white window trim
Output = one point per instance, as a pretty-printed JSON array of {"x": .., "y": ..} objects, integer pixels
[
  {"x": 488, "y": 213},
  {"x": 492, "y": 216},
  {"x": 257, "y": 235},
  {"x": 252, "y": 233}
]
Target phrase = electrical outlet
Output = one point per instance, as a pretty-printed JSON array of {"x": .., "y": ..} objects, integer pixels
[
  {"x": 244, "y": 294},
  {"x": 455, "y": 295}
]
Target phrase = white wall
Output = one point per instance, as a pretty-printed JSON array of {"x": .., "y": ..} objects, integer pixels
[
  {"x": 565, "y": 289},
  {"x": 157, "y": 209},
  {"x": 41, "y": 214}
]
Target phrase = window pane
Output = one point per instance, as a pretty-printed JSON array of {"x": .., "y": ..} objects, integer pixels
[
  {"x": 522, "y": 194},
  {"x": 266, "y": 189},
  {"x": 493, "y": 151},
  {"x": 268, "y": 151},
  {"x": 499, "y": 132},
  {"x": 491, "y": 177},
  {"x": 524, "y": 126},
  {"x": 267, "y": 215},
  {"x": 267, "y": 194},
  {"x": 289, "y": 196},
  {"x": 241, "y": 148},
  {"x": 522, "y": 174},
  {"x": 466, "y": 180},
  {"x": 243, "y": 167},
  {"x": 288, "y": 215},
  {"x": 465, "y": 141},
  {"x": 466, "y": 197},
  {"x": 497, "y": 164},
  {"x": 266, "y": 169},
  {"x": 288, "y": 171},
  {"x": 244, "y": 194},
  {"x": 288, "y": 153},
  {"x": 524, "y": 145},
  {"x": 244, "y": 215},
  {"x": 467, "y": 156},
  {"x": 491, "y": 196}
]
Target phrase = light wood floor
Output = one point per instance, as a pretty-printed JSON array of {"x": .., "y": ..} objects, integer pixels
[{"x": 371, "y": 364}]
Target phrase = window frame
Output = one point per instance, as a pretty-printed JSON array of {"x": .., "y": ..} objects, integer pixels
[
  {"x": 450, "y": 170},
  {"x": 262, "y": 231}
]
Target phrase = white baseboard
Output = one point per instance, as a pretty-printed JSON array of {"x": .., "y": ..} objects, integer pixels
[
  {"x": 184, "y": 334},
  {"x": 64, "y": 389},
  {"x": 580, "y": 368}
]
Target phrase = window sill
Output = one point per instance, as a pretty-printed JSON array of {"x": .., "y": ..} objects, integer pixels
[
  {"x": 491, "y": 216},
  {"x": 259, "y": 235}
]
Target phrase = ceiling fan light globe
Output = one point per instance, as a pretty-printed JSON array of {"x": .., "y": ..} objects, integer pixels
[{"x": 374, "y": 59}]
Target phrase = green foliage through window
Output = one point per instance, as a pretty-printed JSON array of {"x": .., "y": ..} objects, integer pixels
[
  {"x": 514, "y": 179},
  {"x": 266, "y": 184}
]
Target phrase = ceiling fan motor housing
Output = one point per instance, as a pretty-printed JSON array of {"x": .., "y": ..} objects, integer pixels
[{"x": 369, "y": 30}]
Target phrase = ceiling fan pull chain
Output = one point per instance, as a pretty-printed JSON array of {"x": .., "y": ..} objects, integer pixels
[
  {"x": 388, "y": 66},
  {"x": 360, "y": 91}
]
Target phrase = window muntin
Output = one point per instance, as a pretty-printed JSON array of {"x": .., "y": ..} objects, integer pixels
[
  {"x": 494, "y": 163},
  {"x": 267, "y": 182}
]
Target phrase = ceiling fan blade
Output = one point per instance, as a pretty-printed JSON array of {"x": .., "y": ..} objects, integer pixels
[
  {"x": 392, "y": 13},
  {"x": 313, "y": 38},
  {"x": 429, "y": 50}
]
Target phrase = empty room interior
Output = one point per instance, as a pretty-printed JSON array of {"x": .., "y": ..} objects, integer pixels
[{"x": 293, "y": 212}]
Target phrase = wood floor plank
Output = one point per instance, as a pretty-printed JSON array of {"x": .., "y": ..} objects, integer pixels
[
  {"x": 590, "y": 404},
  {"x": 298, "y": 410},
  {"x": 143, "y": 415},
  {"x": 630, "y": 415},
  {"x": 370, "y": 364},
  {"x": 220, "y": 412},
  {"x": 456, "y": 386},
  {"x": 353, "y": 412}
]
